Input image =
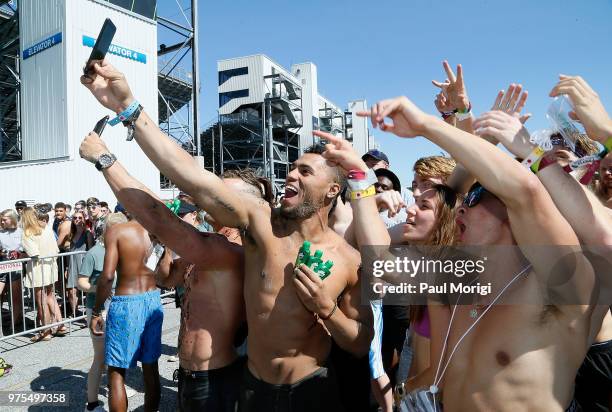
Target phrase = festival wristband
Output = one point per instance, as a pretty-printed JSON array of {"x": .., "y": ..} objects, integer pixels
[
  {"x": 124, "y": 115},
  {"x": 331, "y": 313},
  {"x": 533, "y": 159},
  {"x": 355, "y": 174},
  {"x": 362, "y": 182},
  {"x": 464, "y": 114},
  {"x": 545, "y": 162},
  {"x": 588, "y": 176},
  {"x": 608, "y": 145},
  {"x": 360, "y": 194}
]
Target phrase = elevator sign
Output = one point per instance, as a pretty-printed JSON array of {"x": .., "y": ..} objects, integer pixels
[
  {"x": 118, "y": 50},
  {"x": 42, "y": 45}
]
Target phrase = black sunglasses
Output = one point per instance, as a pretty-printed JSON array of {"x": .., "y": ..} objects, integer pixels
[{"x": 474, "y": 196}]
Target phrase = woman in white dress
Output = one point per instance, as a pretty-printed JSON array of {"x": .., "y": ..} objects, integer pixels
[{"x": 41, "y": 272}]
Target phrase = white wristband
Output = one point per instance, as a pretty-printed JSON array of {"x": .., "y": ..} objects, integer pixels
[{"x": 357, "y": 185}]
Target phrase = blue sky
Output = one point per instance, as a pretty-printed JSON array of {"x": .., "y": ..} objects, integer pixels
[{"x": 377, "y": 50}]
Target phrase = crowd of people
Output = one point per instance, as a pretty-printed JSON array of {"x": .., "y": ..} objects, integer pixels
[
  {"x": 26, "y": 232},
  {"x": 316, "y": 342}
]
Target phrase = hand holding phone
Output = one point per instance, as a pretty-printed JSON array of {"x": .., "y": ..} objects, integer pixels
[
  {"x": 99, "y": 128},
  {"x": 101, "y": 46}
]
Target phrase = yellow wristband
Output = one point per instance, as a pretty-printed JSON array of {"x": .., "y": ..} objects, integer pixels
[
  {"x": 532, "y": 161},
  {"x": 360, "y": 194}
]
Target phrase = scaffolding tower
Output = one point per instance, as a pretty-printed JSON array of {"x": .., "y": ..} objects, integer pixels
[
  {"x": 263, "y": 136},
  {"x": 10, "y": 126},
  {"x": 331, "y": 119},
  {"x": 176, "y": 84}
]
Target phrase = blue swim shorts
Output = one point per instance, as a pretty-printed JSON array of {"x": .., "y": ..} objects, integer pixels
[{"x": 133, "y": 330}]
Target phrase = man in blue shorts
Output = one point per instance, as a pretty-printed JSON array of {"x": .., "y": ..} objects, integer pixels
[{"x": 135, "y": 315}]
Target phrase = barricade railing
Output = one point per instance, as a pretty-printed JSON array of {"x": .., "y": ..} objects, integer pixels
[
  {"x": 38, "y": 294},
  {"x": 34, "y": 280}
]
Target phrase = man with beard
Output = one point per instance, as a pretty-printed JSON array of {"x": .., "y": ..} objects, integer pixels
[
  {"x": 291, "y": 312},
  {"x": 211, "y": 268}
]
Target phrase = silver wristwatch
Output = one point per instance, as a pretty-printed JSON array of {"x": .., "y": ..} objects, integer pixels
[{"x": 105, "y": 161}]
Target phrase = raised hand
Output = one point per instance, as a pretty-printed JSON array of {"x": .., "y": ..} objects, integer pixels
[
  {"x": 443, "y": 104},
  {"x": 505, "y": 128},
  {"x": 588, "y": 108},
  {"x": 512, "y": 102},
  {"x": 109, "y": 87},
  {"x": 408, "y": 119},
  {"x": 453, "y": 89},
  {"x": 92, "y": 147},
  {"x": 391, "y": 201},
  {"x": 341, "y": 152}
]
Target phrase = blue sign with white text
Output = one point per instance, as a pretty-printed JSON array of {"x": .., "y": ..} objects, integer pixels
[
  {"x": 118, "y": 50},
  {"x": 42, "y": 45}
]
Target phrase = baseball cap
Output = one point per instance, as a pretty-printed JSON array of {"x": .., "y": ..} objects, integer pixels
[
  {"x": 391, "y": 176},
  {"x": 376, "y": 154},
  {"x": 93, "y": 201},
  {"x": 20, "y": 204},
  {"x": 119, "y": 208},
  {"x": 186, "y": 208}
]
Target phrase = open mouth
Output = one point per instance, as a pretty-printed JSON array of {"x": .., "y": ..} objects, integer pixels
[
  {"x": 290, "y": 192},
  {"x": 460, "y": 226}
]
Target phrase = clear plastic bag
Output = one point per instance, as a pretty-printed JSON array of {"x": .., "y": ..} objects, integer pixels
[{"x": 558, "y": 115}]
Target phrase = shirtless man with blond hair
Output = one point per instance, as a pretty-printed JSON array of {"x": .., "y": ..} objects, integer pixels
[
  {"x": 291, "y": 313},
  {"x": 529, "y": 363}
]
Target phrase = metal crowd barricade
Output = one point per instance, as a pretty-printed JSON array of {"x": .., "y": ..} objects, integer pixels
[{"x": 26, "y": 321}]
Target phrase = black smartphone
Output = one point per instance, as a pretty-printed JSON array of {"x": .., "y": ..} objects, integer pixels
[
  {"x": 100, "y": 125},
  {"x": 102, "y": 44}
]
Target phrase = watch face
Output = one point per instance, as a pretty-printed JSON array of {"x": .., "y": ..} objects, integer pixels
[{"x": 105, "y": 160}]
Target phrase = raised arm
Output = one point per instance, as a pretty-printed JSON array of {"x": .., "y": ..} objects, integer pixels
[
  {"x": 154, "y": 216},
  {"x": 533, "y": 217},
  {"x": 590, "y": 219},
  {"x": 453, "y": 102},
  {"x": 510, "y": 102},
  {"x": 587, "y": 107},
  {"x": 112, "y": 90},
  {"x": 368, "y": 227}
]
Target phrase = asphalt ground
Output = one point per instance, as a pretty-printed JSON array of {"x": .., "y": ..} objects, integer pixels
[{"x": 62, "y": 363}]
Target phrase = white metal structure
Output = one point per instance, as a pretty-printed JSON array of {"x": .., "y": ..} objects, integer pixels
[
  {"x": 267, "y": 114},
  {"x": 248, "y": 82},
  {"x": 57, "y": 111}
]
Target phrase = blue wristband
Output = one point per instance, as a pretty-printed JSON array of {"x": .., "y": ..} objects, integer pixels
[{"x": 124, "y": 115}]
